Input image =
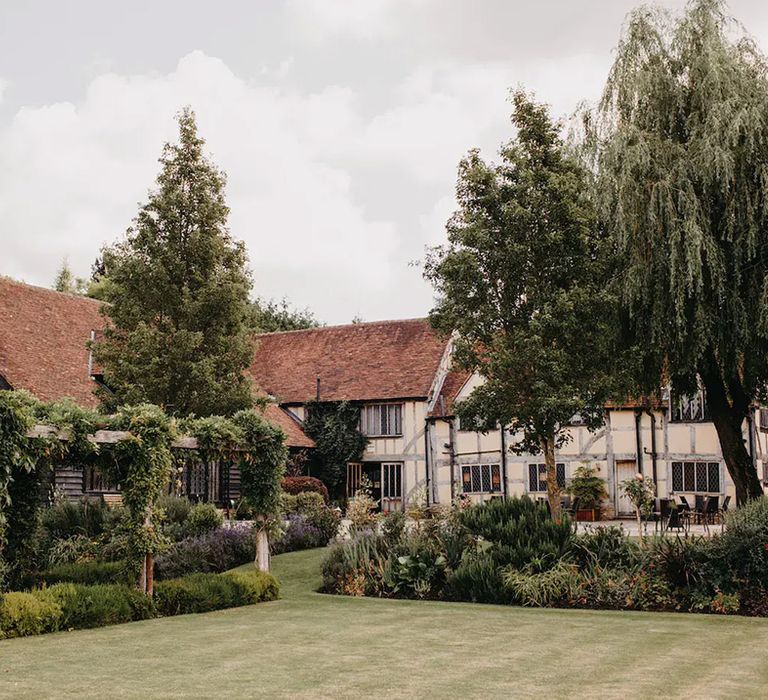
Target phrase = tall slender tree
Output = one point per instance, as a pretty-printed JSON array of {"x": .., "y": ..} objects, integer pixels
[
  {"x": 177, "y": 289},
  {"x": 681, "y": 140},
  {"x": 521, "y": 282}
]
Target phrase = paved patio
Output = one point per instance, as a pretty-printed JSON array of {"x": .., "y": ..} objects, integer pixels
[{"x": 631, "y": 528}]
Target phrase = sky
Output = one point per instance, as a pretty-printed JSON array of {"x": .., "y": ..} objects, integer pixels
[{"x": 339, "y": 123}]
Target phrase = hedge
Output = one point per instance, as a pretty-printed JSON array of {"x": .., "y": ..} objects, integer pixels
[
  {"x": 206, "y": 592},
  {"x": 64, "y": 606},
  {"x": 91, "y": 572},
  {"x": 301, "y": 484}
]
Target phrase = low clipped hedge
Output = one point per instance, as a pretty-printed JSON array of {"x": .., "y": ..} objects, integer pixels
[
  {"x": 65, "y": 606},
  {"x": 303, "y": 484},
  {"x": 92, "y": 572},
  {"x": 206, "y": 592}
]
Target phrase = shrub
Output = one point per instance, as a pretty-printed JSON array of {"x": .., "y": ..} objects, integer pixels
[
  {"x": 356, "y": 566},
  {"x": 311, "y": 506},
  {"x": 550, "y": 588},
  {"x": 70, "y": 550},
  {"x": 393, "y": 527},
  {"x": 91, "y": 572},
  {"x": 206, "y": 592},
  {"x": 175, "y": 508},
  {"x": 588, "y": 487},
  {"x": 300, "y": 533},
  {"x": 685, "y": 563},
  {"x": 215, "y": 551},
  {"x": 85, "y": 517},
  {"x": 477, "y": 579},
  {"x": 95, "y": 606},
  {"x": 23, "y": 614},
  {"x": 520, "y": 531},
  {"x": 302, "y": 484},
  {"x": 607, "y": 547},
  {"x": 202, "y": 518},
  {"x": 745, "y": 543}
]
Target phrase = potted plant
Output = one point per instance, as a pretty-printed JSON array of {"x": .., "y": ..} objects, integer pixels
[{"x": 590, "y": 490}]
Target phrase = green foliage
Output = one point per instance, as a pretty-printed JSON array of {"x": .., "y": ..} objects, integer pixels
[
  {"x": 522, "y": 282},
  {"x": 142, "y": 465},
  {"x": 605, "y": 547},
  {"x": 557, "y": 586},
  {"x": 311, "y": 506},
  {"x": 271, "y": 316},
  {"x": 85, "y": 606},
  {"x": 300, "y": 484},
  {"x": 178, "y": 288},
  {"x": 174, "y": 510},
  {"x": 335, "y": 428},
  {"x": 519, "y": 532},
  {"x": 205, "y": 592},
  {"x": 641, "y": 492},
  {"x": 24, "y": 614},
  {"x": 745, "y": 543},
  {"x": 202, "y": 518},
  {"x": 477, "y": 579},
  {"x": 86, "y": 517},
  {"x": 685, "y": 113},
  {"x": 91, "y": 572},
  {"x": 67, "y": 283},
  {"x": 588, "y": 487},
  {"x": 262, "y": 465}
]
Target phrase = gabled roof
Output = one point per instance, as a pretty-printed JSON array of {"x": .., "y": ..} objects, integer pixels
[
  {"x": 43, "y": 349},
  {"x": 43, "y": 341},
  {"x": 295, "y": 435},
  {"x": 446, "y": 399},
  {"x": 376, "y": 361}
]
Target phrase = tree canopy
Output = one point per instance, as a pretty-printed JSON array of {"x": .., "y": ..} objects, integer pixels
[
  {"x": 268, "y": 316},
  {"x": 177, "y": 290},
  {"x": 681, "y": 145},
  {"x": 520, "y": 282}
]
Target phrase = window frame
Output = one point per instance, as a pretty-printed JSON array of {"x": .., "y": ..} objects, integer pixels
[
  {"x": 475, "y": 471},
  {"x": 398, "y": 418},
  {"x": 675, "y": 410},
  {"x": 541, "y": 468},
  {"x": 686, "y": 474}
]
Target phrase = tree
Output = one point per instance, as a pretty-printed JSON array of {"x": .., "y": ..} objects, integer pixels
[
  {"x": 177, "y": 291},
  {"x": 520, "y": 283},
  {"x": 270, "y": 316},
  {"x": 66, "y": 282},
  {"x": 681, "y": 144}
]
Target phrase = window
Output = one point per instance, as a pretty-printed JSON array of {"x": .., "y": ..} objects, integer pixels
[
  {"x": 93, "y": 480},
  {"x": 690, "y": 408},
  {"x": 764, "y": 419},
  {"x": 382, "y": 419},
  {"x": 480, "y": 478},
  {"x": 537, "y": 477},
  {"x": 392, "y": 482},
  {"x": 696, "y": 477}
]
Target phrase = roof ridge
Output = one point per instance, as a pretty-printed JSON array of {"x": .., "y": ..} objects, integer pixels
[
  {"x": 37, "y": 287},
  {"x": 316, "y": 329}
]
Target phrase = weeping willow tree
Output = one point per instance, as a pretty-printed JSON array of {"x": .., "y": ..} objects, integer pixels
[{"x": 681, "y": 141}]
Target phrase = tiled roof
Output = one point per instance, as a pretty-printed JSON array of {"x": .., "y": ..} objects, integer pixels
[
  {"x": 43, "y": 349},
  {"x": 446, "y": 398},
  {"x": 43, "y": 339},
  {"x": 295, "y": 436},
  {"x": 357, "y": 362}
]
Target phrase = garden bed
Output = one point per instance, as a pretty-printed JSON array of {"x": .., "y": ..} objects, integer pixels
[{"x": 512, "y": 552}]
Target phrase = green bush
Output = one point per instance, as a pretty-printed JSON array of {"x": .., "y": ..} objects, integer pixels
[
  {"x": 521, "y": 532},
  {"x": 205, "y": 592},
  {"x": 92, "y": 572},
  {"x": 202, "y": 518},
  {"x": 312, "y": 508},
  {"x": 24, "y": 614},
  {"x": 356, "y": 566},
  {"x": 477, "y": 579},
  {"x": 607, "y": 547},
  {"x": 558, "y": 586},
  {"x": 745, "y": 543},
  {"x": 85, "y": 517},
  {"x": 85, "y": 606}
]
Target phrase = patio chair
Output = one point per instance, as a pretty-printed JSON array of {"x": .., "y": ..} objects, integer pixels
[
  {"x": 699, "y": 508},
  {"x": 573, "y": 507},
  {"x": 670, "y": 515},
  {"x": 711, "y": 509}
]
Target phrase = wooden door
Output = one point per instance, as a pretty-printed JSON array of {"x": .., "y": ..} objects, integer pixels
[
  {"x": 625, "y": 469},
  {"x": 391, "y": 486}
]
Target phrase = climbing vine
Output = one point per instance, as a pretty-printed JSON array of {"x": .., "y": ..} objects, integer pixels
[{"x": 141, "y": 461}]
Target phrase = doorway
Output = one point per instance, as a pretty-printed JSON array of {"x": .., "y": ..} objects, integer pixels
[
  {"x": 626, "y": 469},
  {"x": 385, "y": 480}
]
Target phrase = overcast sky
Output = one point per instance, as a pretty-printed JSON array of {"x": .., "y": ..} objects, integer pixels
[{"x": 339, "y": 123}]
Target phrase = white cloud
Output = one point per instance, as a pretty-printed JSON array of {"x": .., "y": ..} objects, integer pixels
[
  {"x": 71, "y": 177},
  {"x": 3, "y": 87}
]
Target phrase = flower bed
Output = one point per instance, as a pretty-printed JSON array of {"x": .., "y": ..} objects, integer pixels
[{"x": 512, "y": 552}]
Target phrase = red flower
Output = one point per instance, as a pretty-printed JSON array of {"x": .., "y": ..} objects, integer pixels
[{"x": 765, "y": 546}]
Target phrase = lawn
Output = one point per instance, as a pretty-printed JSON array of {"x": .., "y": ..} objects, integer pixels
[{"x": 310, "y": 645}]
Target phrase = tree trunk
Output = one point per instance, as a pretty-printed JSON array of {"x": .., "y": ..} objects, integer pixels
[
  {"x": 150, "y": 565},
  {"x": 553, "y": 488},
  {"x": 729, "y": 415},
  {"x": 262, "y": 547}
]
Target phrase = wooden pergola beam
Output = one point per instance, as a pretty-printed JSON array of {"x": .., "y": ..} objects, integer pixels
[{"x": 105, "y": 437}]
